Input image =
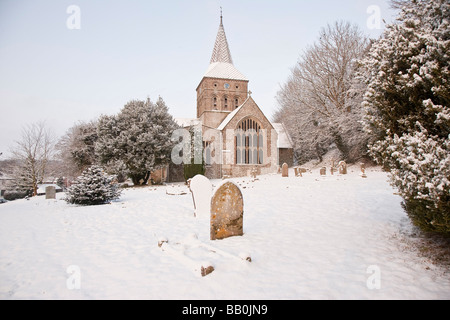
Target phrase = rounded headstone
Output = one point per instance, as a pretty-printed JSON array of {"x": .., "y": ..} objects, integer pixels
[
  {"x": 227, "y": 212},
  {"x": 285, "y": 170},
  {"x": 201, "y": 189}
]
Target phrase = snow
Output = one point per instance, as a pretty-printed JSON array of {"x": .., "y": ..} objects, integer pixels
[
  {"x": 308, "y": 238},
  {"x": 42, "y": 187},
  {"x": 223, "y": 70},
  {"x": 187, "y": 122},
  {"x": 284, "y": 140}
]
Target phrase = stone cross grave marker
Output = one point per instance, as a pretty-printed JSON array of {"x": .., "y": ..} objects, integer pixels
[
  {"x": 50, "y": 192},
  {"x": 201, "y": 189},
  {"x": 227, "y": 212}
]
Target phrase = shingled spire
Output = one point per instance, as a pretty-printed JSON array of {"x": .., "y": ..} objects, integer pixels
[{"x": 221, "y": 52}]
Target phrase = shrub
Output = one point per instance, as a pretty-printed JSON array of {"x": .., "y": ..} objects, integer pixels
[
  {"x": 408, "y": 109},
  {"x": 191, "y": 170},
  {"x": 16, "y": 194},
  {"x": 93, "y": 187}
]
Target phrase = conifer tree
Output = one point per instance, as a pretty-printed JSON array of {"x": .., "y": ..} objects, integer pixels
[
  {"x": 137, "y": 140},
  {"x": 93, "y": 187},
  {"x": 408, "y": 109}
]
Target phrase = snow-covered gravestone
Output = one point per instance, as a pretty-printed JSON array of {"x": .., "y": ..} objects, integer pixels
[
  {"x": 201, "y": 189},
  {"x": 227, "y": 212},
  {"x": 50, "y": 192},
  {"x": 285, "y": 170},
  {"x": 342, "y": 167},
  {"x": 363, "y": 170},
  {"x": 323, "y": 171}
]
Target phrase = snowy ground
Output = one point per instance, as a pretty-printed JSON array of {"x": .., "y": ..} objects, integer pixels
[{"x": 338, "y": 237}]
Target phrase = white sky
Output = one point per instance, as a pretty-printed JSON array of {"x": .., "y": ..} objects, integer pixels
[{"x": 130, "y": 49}]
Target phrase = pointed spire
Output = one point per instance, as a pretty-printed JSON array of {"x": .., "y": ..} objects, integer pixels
[{"x": 221, "y": 52}]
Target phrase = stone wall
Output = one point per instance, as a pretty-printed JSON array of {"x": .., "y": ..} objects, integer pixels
[{"x": 210, "y": 88}]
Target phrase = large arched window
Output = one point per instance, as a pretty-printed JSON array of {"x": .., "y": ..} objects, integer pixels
[{"x": 249, "y": 142}]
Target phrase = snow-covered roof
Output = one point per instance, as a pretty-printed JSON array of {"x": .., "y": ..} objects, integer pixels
[
  {"x": 284, "y": 139},
  {"x": 187, "y": 122},
  {"x": 221, "y": 52},
  {"x": 41, "y": 187},
  {"x": 224, "y": 70},
  {"x": 221, "y": 64}
]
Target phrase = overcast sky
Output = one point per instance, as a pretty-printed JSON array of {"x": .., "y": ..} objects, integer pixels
[{"x": 53, "y": 71}]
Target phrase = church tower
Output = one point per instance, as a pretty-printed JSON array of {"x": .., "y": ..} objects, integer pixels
[{"x": 223, "y": 88}]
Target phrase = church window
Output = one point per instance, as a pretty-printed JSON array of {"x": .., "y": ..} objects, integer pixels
[
  {"x": 215, "y": 102},
  {"x": 225, "y": 100},
  {"x": 249, "y": 142},
  {"x": 236, "y": 103}
]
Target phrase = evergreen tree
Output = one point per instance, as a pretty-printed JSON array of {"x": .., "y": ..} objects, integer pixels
[
  {"x": 407, "y": 105},
  {"x": 137, "y": 140},
  {"x": 93, "y": 187}
]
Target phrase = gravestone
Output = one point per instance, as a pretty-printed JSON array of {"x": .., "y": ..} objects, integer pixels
[
  {"x": 227, "y": 212},
  {"x": 254, "y": 173},
  {"x": 342, "y": 167},
  {"x": 50, "y": 192},
  {"x": 285, "y": 170},
  {"x": 323, "y": 171},
  {"x": 201, "y": 189},
  {"x": 363, "y": 170}
]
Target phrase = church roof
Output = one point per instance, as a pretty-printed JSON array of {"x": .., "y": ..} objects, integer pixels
[
  {"x": 223, "y": 70},
  {"x": 230, "y": 117},
  {"x": 221, "y": 52},
  {"x": 221, "y": 65},
  {"x": 187, "y": 122},
  {"x": 284, "y": 139}
]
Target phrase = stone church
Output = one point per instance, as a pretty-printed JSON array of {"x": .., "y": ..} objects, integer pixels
[{"x": 237, "y": 137}]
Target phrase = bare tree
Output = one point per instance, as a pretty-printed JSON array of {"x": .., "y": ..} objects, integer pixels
[
  {"x": 76, "y": 149},
  {"x": 32, "y": 154},
  {"x": 398, "y": 4},
  {"x": 320, "y": 97}
]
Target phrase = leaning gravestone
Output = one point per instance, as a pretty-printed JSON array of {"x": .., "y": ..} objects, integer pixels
[
  {"x": 227, "y": 212},
  {"x": 201, "y": 189},
  {"x": 50, "y": 192},
  {"x": 285, "y": 170}
]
